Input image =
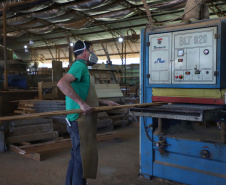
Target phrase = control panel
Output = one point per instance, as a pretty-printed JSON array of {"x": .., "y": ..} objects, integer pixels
[
  {"x": 160, "y": 58},
  {"x": 192, "y": 59}
]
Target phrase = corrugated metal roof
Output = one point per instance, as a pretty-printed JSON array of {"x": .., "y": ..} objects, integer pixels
[{"x": 54, "y": 23}]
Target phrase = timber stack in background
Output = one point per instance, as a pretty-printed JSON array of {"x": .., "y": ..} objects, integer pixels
[{"x": 106, "y": 120}]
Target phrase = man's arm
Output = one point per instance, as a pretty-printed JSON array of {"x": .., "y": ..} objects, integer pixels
[
  {"x": 65, "y": 86},
  {"x": 108, "y": 102}
]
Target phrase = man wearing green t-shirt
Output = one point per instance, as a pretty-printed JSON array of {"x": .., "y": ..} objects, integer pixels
[{"x": 78, "y": 87}]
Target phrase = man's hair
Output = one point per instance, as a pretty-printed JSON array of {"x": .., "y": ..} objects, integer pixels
[{"x": 79, "y": 45}]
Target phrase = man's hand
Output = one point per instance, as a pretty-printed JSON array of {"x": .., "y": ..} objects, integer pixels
[
  {"x": 108, "y": 102},
  {"x": 86, "y": 108}
]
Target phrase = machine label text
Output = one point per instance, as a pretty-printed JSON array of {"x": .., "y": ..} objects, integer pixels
[{"x": 197, "y": 39}]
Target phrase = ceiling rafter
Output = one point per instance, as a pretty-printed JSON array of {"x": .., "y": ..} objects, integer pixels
[
  {"x": 101, "y": 55},
  {"x": 215, "y": 9},
  {"x": 79, "y": 36},
  {"x": 47, "y": 43},
  {"x": 115, "y": 34},
  {"x": 137, "y": 10},
  {"x": 105, "y": 51}
]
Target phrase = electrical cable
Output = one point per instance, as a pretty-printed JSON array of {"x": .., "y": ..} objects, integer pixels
[{"x": 146, "y": 131}]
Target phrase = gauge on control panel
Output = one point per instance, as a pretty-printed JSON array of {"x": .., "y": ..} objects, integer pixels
[
  {"x": 206, "y": 52},
  {"x": 180, "y": 53}
]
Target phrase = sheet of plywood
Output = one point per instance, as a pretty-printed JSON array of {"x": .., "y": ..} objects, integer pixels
[{"x": 108, "y": 90}]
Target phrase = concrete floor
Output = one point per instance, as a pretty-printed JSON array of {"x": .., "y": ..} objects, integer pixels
[{"x": 118, "y": 164}]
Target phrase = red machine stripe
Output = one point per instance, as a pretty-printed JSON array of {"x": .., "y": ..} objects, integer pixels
[{"x": 216, "y": 101}]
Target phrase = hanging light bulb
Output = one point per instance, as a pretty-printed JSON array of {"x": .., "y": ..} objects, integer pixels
[
  {"x": 25, "y": 46},
  {"x": 120, "y": 39},
  {"x": 71, "y": 44},
  {"x": 31, "y": 42}
]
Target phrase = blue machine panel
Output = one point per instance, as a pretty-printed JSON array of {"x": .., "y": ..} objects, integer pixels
[{"x": 183, "y": 151}]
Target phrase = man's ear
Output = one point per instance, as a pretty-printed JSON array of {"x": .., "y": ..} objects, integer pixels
[{"x": 84, "y": 52}]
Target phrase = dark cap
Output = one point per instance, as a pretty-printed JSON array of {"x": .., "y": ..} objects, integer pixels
[{"x": 79, "y": 46}]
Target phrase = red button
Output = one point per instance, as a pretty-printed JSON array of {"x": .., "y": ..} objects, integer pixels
[
  {"x": 181, "y": 76},
  {"x": 176, "y": 76}
]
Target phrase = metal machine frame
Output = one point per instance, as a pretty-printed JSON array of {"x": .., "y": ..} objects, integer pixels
[{"x": 190, "y": 161}]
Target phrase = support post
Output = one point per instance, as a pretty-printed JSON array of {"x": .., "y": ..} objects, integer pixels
[
  {"x": 148, "y": 13},
  {"x": 5, "y": 49},
  {"x": 223, "y": 132}
]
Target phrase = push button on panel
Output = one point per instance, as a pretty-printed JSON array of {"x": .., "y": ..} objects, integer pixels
[
  {"x": 180, "y": 60},
  {"x": 181, "y": 76},
  {"x": 206, "y": 52},
  {"x": 176, "y": 77},
  {"x": 187, "y": 73}
]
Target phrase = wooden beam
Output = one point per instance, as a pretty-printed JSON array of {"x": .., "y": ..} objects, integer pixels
[
  {"x": 33, "y": 129},
  {"x": 64, "y": 112},
  {"x": 109, "y": 136},
  {"x": 33, "y": 137},
  {"x": 17, "y": 150}
]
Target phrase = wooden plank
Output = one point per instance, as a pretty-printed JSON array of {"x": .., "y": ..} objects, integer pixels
[
  {"x": 25, "y": 108},
  {"x": 120, "y": 122},
  {"x": 40, "y": 90},
  {"x": 35, "y": 156},
  {"x": 34, "y": 129},
  {"x": 48, "y": 147},
  {"x": 104, "y": 123},
  {"x": 101, "y": 78},
  {"x": 118, "y": 111},
  {"x": 57, "y": 70},
  {"x": 45, "y": 143},
  {"x": 109, "y": 136},
  {"x": 47, "y": 85},
  {"x": 102, "y": 115},
  {"x": 18, "y": 112},
  {"x": 32, "y": 137},
  {"x": 35, "y": 121},
  {"x": 118, "y": 117},
  {"x": 37, "y": 100},
  {"x": 64, "y": 112}
]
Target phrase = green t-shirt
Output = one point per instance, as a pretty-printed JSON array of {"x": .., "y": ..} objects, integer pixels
[{"x": 81, "y": 86}]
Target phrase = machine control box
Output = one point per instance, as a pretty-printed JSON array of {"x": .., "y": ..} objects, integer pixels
[{"x": 183, "y": 57}]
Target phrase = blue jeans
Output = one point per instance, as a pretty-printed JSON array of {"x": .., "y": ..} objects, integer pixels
[{"x": 75, "y": 170}]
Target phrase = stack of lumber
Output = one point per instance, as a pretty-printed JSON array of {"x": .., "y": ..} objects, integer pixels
[
  {"x": 109, "y": 119},
  {"x": 31, "y": 130},
  {"x": 36, "y": 106},
  {"x": 104, "y": 121},
  {"x": 119, "y": 117},
  {"x": 36, "y": 151}
]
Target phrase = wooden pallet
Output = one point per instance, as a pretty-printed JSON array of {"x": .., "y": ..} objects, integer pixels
[{"x": 34, "y": 151}]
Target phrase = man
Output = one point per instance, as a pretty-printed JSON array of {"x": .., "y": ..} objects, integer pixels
[{"x": 78, "y": 86}]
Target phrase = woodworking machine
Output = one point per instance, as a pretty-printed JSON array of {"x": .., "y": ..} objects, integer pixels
[{"x": 184, "y": 65}]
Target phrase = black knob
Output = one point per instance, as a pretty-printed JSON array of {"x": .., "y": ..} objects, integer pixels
[{"x": 205, "y": 154}]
